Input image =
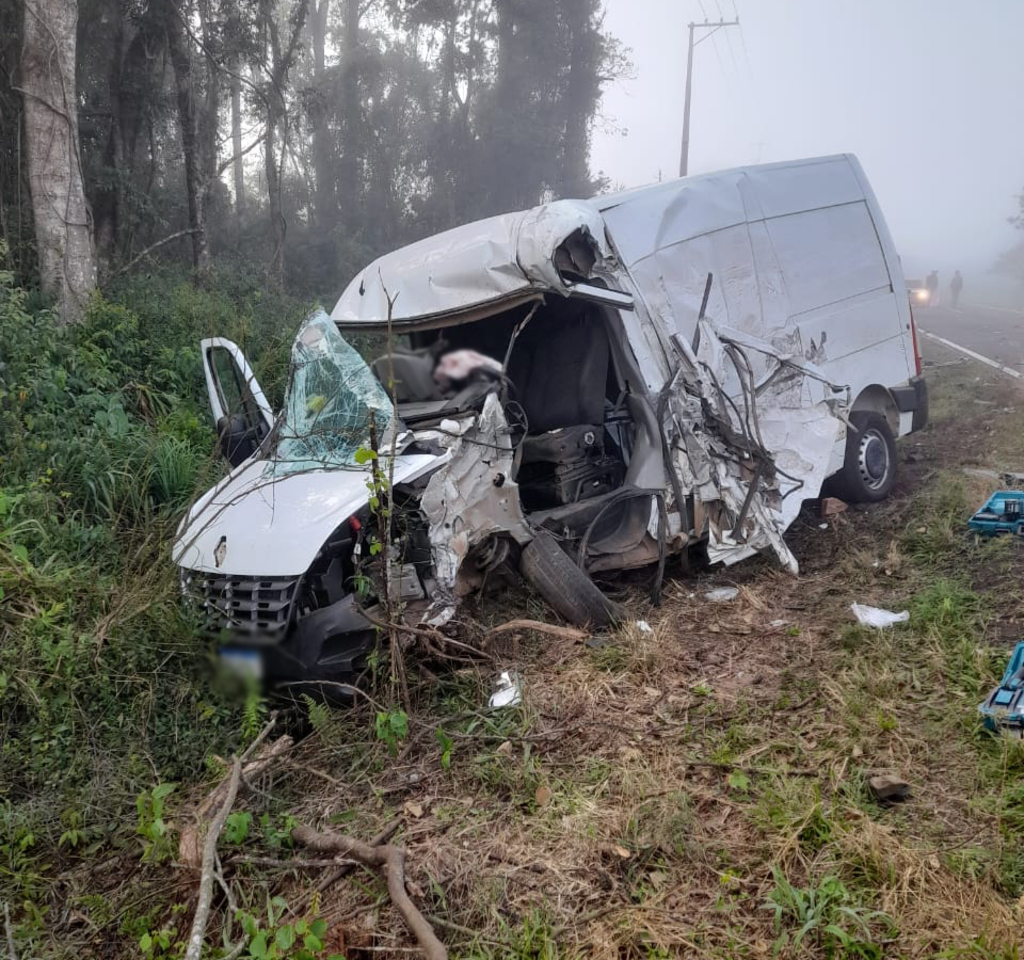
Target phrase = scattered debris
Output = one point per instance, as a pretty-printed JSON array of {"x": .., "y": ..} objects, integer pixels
[
  {"x": 822, "y": 526},
  {"x": 889, "y": 789},
  {"x": 1003, "y": 512},
  {"x": 722, "y": 594},
  {"x": 831, "y": 506},
  {"x": 778, "y": 623},
  {"x": 543, "y": 795},
  {"x": 1003, "y": 708},
  {"x": 877, "y": 617},
  {"x": 392, "y": 859},
  {"x": 506, "y": 692},
  {"x": 643, "y": 626}
]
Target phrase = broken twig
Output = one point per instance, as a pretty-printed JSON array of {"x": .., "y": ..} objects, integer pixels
[
  {"x": 538, "y": 626},
  {"x": 189, "y": 853},
  {"x": 12, "y": 951},
  {"x": 195, "y": 940},
  {"x": 392, "y": 859}
]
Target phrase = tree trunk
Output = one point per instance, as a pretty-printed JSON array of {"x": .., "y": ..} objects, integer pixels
[
  {"x": 188, "y": 118},
  {"x": 348, "y": 168},
  {"x": 580, "y": 98},
  {"x": 107, "y": 208},
  {"x": 63, "y": 225},
  {"x": 278, "y": 225},
  {"x": 325, "y": 200},
  {"x": 236, "y": 144}
]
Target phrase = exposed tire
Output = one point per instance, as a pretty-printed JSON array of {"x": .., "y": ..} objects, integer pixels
[
  {"x": 566, "y": 588},
  {"x": 869, "y": 471}
]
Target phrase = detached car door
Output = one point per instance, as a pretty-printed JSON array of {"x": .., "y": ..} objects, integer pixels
[{"x": 241, "y": 413}]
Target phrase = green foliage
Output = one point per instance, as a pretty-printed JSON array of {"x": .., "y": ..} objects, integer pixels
[
  {"x": 447, "y": 744},
  {"x": 392, "y": 727},
  {"x": 270, "y": 938},
  {"x": 236, "y": 827},
  {"x": 105, "y": 437},
  {"x": 157, "y": 842},
  {"x": 827, "y": 914}
]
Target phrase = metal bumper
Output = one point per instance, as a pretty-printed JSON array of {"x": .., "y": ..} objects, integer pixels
[
  {"x": 912, "y": 397},
  {"x": 324, "y": 645}
]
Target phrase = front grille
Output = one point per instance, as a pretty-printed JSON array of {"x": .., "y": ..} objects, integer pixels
[{"x": 257, "y": 607}]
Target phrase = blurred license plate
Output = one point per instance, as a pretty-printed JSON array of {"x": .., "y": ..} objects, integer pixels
[{"x": 242, "y": 663}]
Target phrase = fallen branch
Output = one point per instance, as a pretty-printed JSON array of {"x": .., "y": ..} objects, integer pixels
[
  {"x": 343, "y": 870},
  {"x": 12, "y": 951},
  {"x": 153, "y": 246},
  {"x": 426, "y": 633},
  {"x": 392, "y": 859},
  {"x": 198, "y": 935},
  {"x": 538, "y": 626},
  {"x": 189, "y": 852}
]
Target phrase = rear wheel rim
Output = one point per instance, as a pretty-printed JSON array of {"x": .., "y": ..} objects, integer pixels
[{"x": 874, "y": 461}]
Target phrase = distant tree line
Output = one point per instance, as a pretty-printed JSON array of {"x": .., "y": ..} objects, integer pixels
[{"x": 304, "y": 136}]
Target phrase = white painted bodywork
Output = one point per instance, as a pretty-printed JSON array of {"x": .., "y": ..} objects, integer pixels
[{"x": 275, "y": 525}]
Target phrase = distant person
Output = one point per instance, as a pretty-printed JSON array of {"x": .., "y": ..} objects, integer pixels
[
  {"x": 931, "y": 284},
  {"x": 955, "y": 286}
]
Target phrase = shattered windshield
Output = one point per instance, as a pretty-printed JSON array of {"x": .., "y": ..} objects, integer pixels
[{"x": 332, "y": 397}]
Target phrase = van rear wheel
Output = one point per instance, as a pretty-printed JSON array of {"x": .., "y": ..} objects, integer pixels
[{"x": 869, "y": 472}]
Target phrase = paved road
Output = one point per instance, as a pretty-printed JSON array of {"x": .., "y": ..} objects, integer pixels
[{"x": 994, "y": 333}]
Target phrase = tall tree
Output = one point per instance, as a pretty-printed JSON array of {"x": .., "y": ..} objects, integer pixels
[
  {"x": 318, "y": 109},
  {"x": 281, "y": 59},
  {"x": 63, "y": 222},
  {"x": 194, "y": 131}
]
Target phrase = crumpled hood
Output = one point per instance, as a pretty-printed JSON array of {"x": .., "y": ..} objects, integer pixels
[{"x": 274, "y": 526}]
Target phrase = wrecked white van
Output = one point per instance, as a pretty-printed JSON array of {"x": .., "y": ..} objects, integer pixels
[{"x": 590, "y": 385}]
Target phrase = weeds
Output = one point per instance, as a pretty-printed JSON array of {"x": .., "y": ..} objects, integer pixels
[{"x": 828, "y": 915}]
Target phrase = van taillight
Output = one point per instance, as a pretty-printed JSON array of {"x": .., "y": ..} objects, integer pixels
[{"x": 913, "y": 337}]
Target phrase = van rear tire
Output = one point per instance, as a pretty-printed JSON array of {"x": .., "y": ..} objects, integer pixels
[
  {"x": 869, "y": 472},
  {"x": 566, "y": 588}
]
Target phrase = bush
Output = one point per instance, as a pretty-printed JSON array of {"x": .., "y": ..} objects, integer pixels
[{"x": 105, "y": 436}]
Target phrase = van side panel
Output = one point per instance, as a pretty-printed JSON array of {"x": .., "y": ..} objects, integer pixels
[
  {"x": 829, "y": 255},
  {"x": 899, "y": 283}
]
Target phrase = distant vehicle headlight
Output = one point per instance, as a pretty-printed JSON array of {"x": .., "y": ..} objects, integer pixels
[{"x": 921, "y": 294}]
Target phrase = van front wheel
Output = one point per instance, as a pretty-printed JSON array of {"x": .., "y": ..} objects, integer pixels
[{"x": 869, "y": 472}]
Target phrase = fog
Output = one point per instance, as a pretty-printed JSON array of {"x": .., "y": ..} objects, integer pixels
[{"x": 926, "y": 92}]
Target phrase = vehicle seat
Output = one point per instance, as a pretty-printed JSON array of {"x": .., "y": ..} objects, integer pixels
[
  {"x": 560, "y": 373},
  {"x": 412, "y": 373}
]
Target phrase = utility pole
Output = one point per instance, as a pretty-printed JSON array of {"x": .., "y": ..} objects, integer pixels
[{"x": 684, "y": 152}]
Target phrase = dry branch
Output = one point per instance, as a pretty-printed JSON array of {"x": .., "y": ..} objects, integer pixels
[
  {"x": 195, "y": 940},
  {"x": 189, "y": 851},
  {"x": 153, "y": 246},
  {"x": 538, "y": 626},
  {"x": 392, "y": 859},
  {"x": 12, "y": 951}
]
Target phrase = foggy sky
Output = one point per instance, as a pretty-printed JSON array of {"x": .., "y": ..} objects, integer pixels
[{"x": 927, "y": 93}]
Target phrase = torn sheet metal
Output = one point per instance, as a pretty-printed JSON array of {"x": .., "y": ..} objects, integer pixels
[
  {"x": 470, "y": 498},
  {"x": 501, "y": 259},
  {"x": 748, "y": 456}
]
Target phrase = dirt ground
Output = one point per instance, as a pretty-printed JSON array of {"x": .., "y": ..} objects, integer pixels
[{"x": 693, "y": 785}]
